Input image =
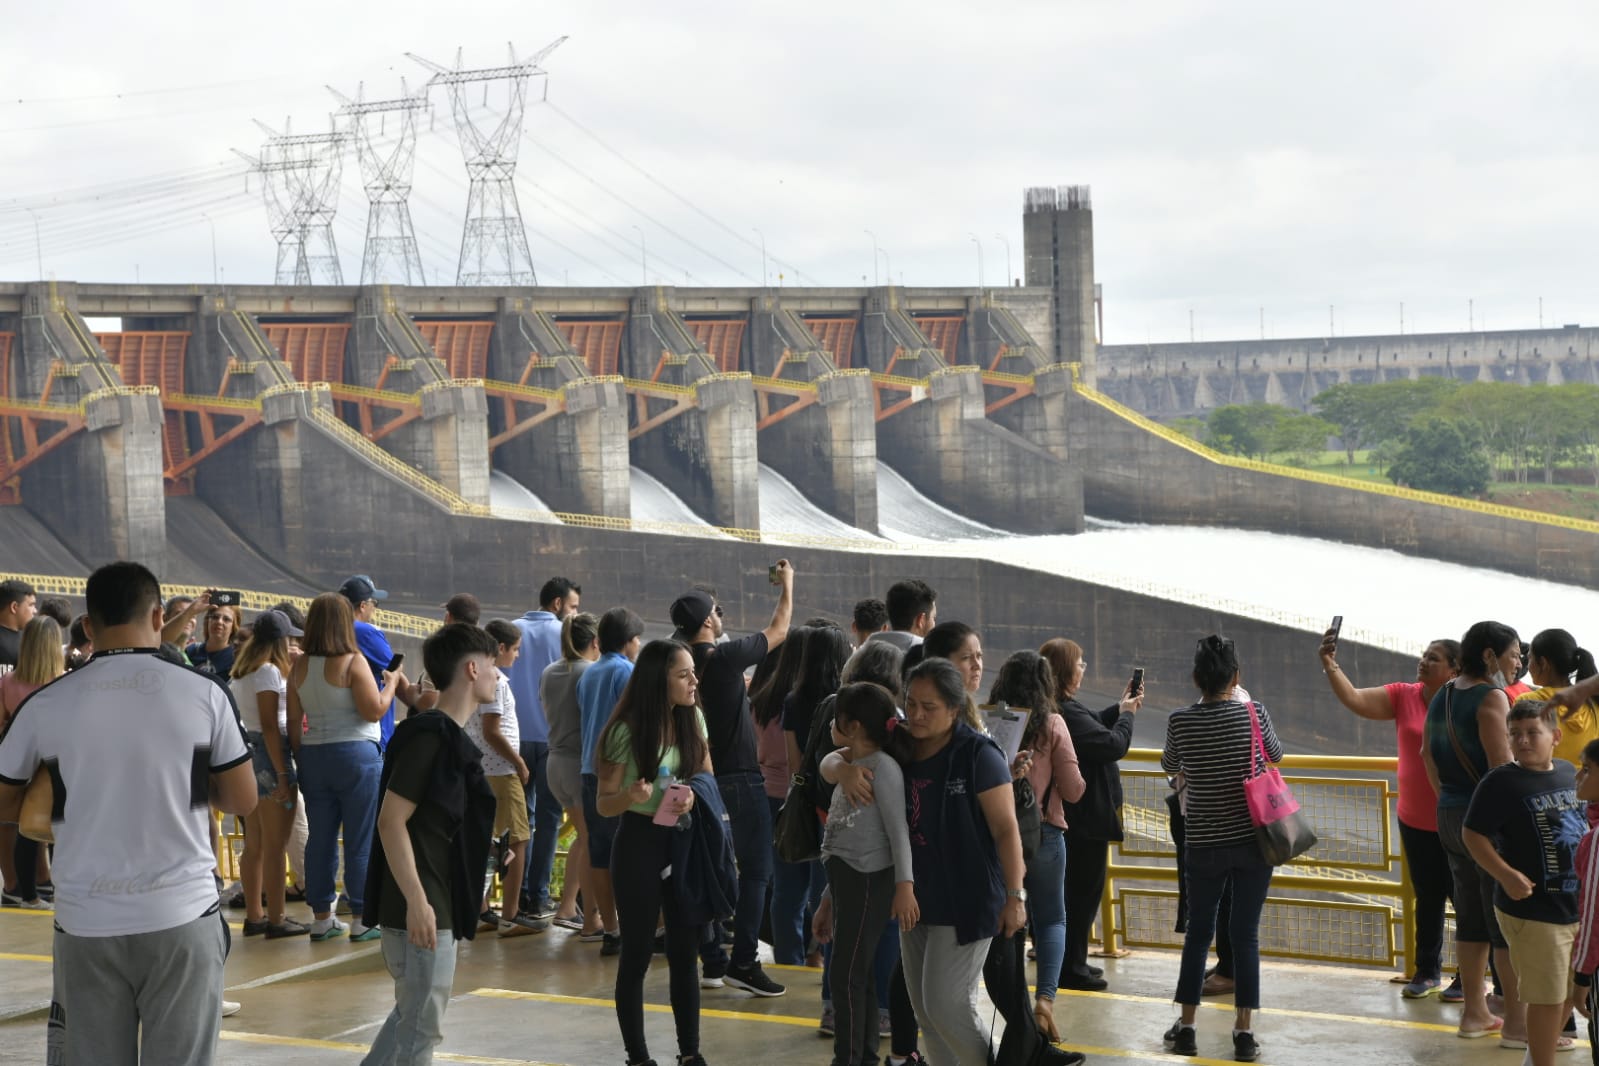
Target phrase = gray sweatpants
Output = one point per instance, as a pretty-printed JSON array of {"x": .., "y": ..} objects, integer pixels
[
  {"x": 107, "y": 987},
  {"x": 941, "y": 977}
]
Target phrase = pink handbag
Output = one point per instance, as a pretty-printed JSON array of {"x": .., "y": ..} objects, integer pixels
[{"x": 1281, "y": 829}]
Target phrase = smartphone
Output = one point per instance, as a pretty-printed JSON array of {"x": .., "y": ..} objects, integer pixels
[
  {"x": 1337, "y": 626},
  {"x": 771, "y": 575},
  {"x": 1137, "y": 687},
  {"x": 394, "y": 663},
  {"x": 666, "y": 814},
  {"x": 224, "y": 597}
]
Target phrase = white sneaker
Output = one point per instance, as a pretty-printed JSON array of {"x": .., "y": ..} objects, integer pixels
[
  {"x": 327, "y": 928},
  {"x": 230, "y": 1008},
  {"x": 360, "y": 932}
]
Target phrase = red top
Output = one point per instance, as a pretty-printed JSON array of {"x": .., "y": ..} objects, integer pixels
[{"x": 1418, "y": 803}]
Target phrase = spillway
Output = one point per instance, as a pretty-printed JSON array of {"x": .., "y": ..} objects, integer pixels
[
  {"x": 654, "y": 502},
  {"x": 785, "y": 509},
  {"x": 509, "y": 498},
  {"x": 905, "y": 515}
]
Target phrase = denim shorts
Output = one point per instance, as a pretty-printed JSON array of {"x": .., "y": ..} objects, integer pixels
[{"x": 266, "y": 775}]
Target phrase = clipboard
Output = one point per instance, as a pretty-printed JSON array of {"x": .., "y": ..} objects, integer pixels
[{"x": 1005, "y": 725}]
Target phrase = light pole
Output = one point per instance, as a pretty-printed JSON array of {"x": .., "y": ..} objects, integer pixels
[
  {"x": 757, "y": 231},
  {"x": 1009, "y": 278},
  {"x": 888, "y": 268},
  {"x": 38, "y": 245},
  {"x": 213, "y": 226},
  {"x": 873, "y": 236},
  {"x": 643, "y": 258},
  {"x": 979, "y": 244}
]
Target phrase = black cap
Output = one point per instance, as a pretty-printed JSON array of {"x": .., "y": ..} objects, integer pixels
[
  {"x": 361, "y": 588},
  {"x": 274, "y": 625},
  {"x": 690, "y": 610}
]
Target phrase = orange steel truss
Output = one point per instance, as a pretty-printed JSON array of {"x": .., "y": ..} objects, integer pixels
[
  {"x": 837, "y": 335},
  {"x": 722, "y": 338},
  {"x": 156, "y": 358},
  {"x": 313, "y": 350},
  {"x": 943, "y": 332},
  {"x": 463, "y": 346},
  {"x": 597, "y": 343}
]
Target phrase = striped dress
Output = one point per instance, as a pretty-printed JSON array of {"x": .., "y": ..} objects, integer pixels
[{"x": 1212, "y": 744}]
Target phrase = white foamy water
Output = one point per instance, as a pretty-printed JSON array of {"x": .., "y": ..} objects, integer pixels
[
  {"x": 906, "y": 516},
  {"x": 785, "y": 508},
  {"x": 654, "y": 502},
  {"x": 509, "y": 498}
]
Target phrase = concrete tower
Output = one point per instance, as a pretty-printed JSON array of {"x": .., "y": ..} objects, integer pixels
[{"x": 1058, "y": 254}]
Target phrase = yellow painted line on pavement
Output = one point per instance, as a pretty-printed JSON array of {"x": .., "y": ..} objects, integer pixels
[
  {"x": 9, "y": 956},
  {"x": 333, "y": 1045},
  {"x": 1288, "y": 1012}
]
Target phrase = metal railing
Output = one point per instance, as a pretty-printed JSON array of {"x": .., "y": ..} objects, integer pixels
[
  {"x": 451, "y": 500},
  {"x": 1348, "y": 900}
]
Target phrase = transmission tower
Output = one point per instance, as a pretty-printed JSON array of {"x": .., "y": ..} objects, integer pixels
[
  {"x": 494, "y": 243},
  {"x": 300, "y": 186},
  {"x": 391, "y": 253}
]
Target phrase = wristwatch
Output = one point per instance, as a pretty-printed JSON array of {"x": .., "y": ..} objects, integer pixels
[{"x": 1017, "y": 893}]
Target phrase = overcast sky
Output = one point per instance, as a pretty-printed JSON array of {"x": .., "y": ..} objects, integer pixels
[{"x": 1242, "y": 155}]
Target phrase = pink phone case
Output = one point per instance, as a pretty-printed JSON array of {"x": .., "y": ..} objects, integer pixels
[{"x": 665, "y": 815}]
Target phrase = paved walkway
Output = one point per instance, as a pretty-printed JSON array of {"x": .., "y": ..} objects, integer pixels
[{"x": 547, "y": 999}]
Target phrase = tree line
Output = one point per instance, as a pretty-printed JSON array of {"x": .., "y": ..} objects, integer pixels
[{"x": 1437, "y": 434}]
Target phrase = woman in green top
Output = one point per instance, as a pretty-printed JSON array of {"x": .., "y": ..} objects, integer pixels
[{"x": 656, "y": 724}]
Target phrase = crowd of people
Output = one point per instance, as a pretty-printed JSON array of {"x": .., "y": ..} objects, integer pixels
[{"x": 804, "y": 785}]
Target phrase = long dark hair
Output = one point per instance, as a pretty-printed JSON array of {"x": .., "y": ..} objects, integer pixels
[
  {"x": 1561, "y": 650},
  {"x": 1215, "y": 665},
  {"x": 872, "y": 707},
  {"x": 821, "y": 666},
  {"x": 644, "y": 710},
  {"x": 946, "y": 681},
  {"x": 1483, "y": 637},
  {"x": 1027, "y": 680},
  {"x": 775, "y": 677}
]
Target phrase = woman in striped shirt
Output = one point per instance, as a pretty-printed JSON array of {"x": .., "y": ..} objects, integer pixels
[{"x": 1212, "y": 743}]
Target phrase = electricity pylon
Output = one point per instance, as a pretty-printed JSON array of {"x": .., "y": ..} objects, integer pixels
[
  {"x": 300, "y": 186},
  {"x": 391, "y": 253},
  {"x": 494, "y": 247}
]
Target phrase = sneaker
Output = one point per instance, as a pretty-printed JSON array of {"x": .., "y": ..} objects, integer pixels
[
  {"x": 1050, "y": 1055},
  {"x": 45, "y": 891},
  {"x": 574, "y": 923},
  {"x": 1245, "y": 1047},
  {"x": 753, "y": 979},
  {"x": 11, "y": 899},
  {"x": 591, "y": 938},
  {"x": 1420, "y": 987},
  {"x": 1217, "y": 985},
  {"x": 231, "y": 1007},
  {"x": 255, "y": 928},
  {"x": 1180, "y": 1039},
  {"x": 713, "y": 974},
  {"x": 236, "y": 901},
  {"x": 285, "y": 929},
  {"x": 487, "y": 922},
  {"x": 362, "y": 933},
  {"x": 611, "y": 944},
  {"x": 1454, "y": 993},
  {"x": 693, "y": 1060},
  {"x": 522, "y": 925},
  {"x": 327, "y": 928},
  {"x": 544, "y": 909},
  {"x": 885, "y": 1022},
  {"x": 825, "y": 1027}
]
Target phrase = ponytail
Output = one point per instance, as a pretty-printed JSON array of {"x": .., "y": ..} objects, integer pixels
[
  {"x": 872, "y": 707},
  {"x": 1559, "y": 649},
  {"x": 578, "y": 633},
  {"x": 1586, "y": 667}
]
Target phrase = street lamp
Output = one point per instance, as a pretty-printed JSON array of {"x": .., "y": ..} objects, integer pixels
[
  {"x": 873, "y": 236},
  {"x": 38, "y": 245},
  {"x": 756, "y": 230},
  {"x": 1009, "y": 278},
  {"x": 213, "y": 226},
  {"x": 980, "y": 285},
  {"x": 643, "y": 258}
]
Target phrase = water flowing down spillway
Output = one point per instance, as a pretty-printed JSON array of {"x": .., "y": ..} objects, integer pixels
[
  {"x": 905, "y": 515},
  {"x": 785, "y": 509},
  {"x": 509, "y": 498},
  {"x": 654, "y": 502}
]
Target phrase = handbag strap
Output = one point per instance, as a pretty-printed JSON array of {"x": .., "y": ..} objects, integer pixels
[
  {"x": 1259, "y": 745},
  {"x": 1460, "y": 749}
]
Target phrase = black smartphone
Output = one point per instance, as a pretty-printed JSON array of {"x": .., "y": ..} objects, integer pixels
[
  {"x": 771, "y": 575},
  {"x": 1337, "y": 626},
  {"x": 1137, "y": 686},
  {"x": 224, "y": 597},
  {"x": 394, "y": 663}
]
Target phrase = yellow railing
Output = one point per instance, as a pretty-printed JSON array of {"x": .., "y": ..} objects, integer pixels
[
  {"x": 445, "y": 497},
  {"x": 656, "y": 388},
  {"x": 1349, "y": 899},
  {"x": 395, "y": 399},
  {"x": 1187, "y": 443}
]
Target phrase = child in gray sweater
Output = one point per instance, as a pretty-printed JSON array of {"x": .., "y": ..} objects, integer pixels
[{"x": 867, "y": 853}]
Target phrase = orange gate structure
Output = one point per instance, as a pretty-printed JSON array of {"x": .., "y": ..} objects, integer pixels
[
  {"x": 39, "y": 426},
  {"x": 463, "y": 347},
  {"x": 315, "y": 354}
]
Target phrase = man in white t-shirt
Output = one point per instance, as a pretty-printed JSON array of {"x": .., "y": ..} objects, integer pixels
[{"x": 138, "y": 749}]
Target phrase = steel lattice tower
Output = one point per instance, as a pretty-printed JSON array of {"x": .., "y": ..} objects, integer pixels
[
  {"x": 391, "y": 253},
  {"x": 300, "y": 185},
  {"x": 494, "y": 248}
]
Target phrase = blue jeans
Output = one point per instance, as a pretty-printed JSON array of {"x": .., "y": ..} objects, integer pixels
[
  {"x": 1046, "y": 906},
  {"x": 750, "y": 820},
  {"x": 1207, "y": 871},
  {"x": 796, "y": 889},
  {"x": 422, "y": 981},
  {"x": 340, "y": 785},
  {"x": 544, "y": 810}
]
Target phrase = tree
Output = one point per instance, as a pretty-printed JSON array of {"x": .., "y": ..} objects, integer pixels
[
  {"x": 1301, "y": 436},
  {"x": 1244, "y": 429},
  {"x": 1439, "y": 455},
  {"x": 1189, "y": 427},
  {"x": 1369, "y": 415}
]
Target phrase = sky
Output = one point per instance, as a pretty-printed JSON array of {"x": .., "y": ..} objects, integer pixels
[{"x": 1251, "y": 163}]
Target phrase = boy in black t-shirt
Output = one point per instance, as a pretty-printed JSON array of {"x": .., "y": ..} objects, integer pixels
[
  {"x": 424, "y": 879},
  {"x": 1523, "y": 827}
]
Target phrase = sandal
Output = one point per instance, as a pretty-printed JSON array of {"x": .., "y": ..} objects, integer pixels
[
  {"x": 1491, "y": 1029},
  {"x": 1565, "y": 1043},
  {"x": 1044, "y": 1016}
]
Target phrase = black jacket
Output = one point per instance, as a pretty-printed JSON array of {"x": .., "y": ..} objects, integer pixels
[
  {"x": 458, "y": 785},
  {"x": 1101, "y": 738},
  {"x": 704, "y": 875}
]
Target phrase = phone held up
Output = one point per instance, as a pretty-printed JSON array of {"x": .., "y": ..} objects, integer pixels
[
  {"x": 394, "y": 663},
  {"x": 1337, "y": 627},
  {"x": 1136, "y": 687},
  {"x": 224, "y": 597}
]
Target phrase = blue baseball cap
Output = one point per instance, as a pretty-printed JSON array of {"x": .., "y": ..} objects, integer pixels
[{"x": 360, "y": 588}]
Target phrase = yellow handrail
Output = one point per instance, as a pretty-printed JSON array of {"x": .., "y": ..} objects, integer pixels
[{"x": 446, "y": 497}]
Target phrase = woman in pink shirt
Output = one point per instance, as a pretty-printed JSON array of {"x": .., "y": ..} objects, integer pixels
[
  {"x": 1405, "y": 704},
  {"x": 1049, "y": 762}
]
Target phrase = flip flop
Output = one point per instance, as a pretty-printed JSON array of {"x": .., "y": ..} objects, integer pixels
[
  {"x": 1491, "y": 1029},
  {"x": 1565, "y": 1043}
]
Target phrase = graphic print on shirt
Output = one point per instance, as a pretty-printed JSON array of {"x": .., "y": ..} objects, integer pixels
[
  {"x": 1561, "y": 825},
  {"x": 919, "y": 787}
]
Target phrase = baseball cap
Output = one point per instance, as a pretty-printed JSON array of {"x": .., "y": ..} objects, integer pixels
[
  {"x": 690, "y": 610},
  {"x": 274, "y": 625},
  {"x": 360, "y": 588}
]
